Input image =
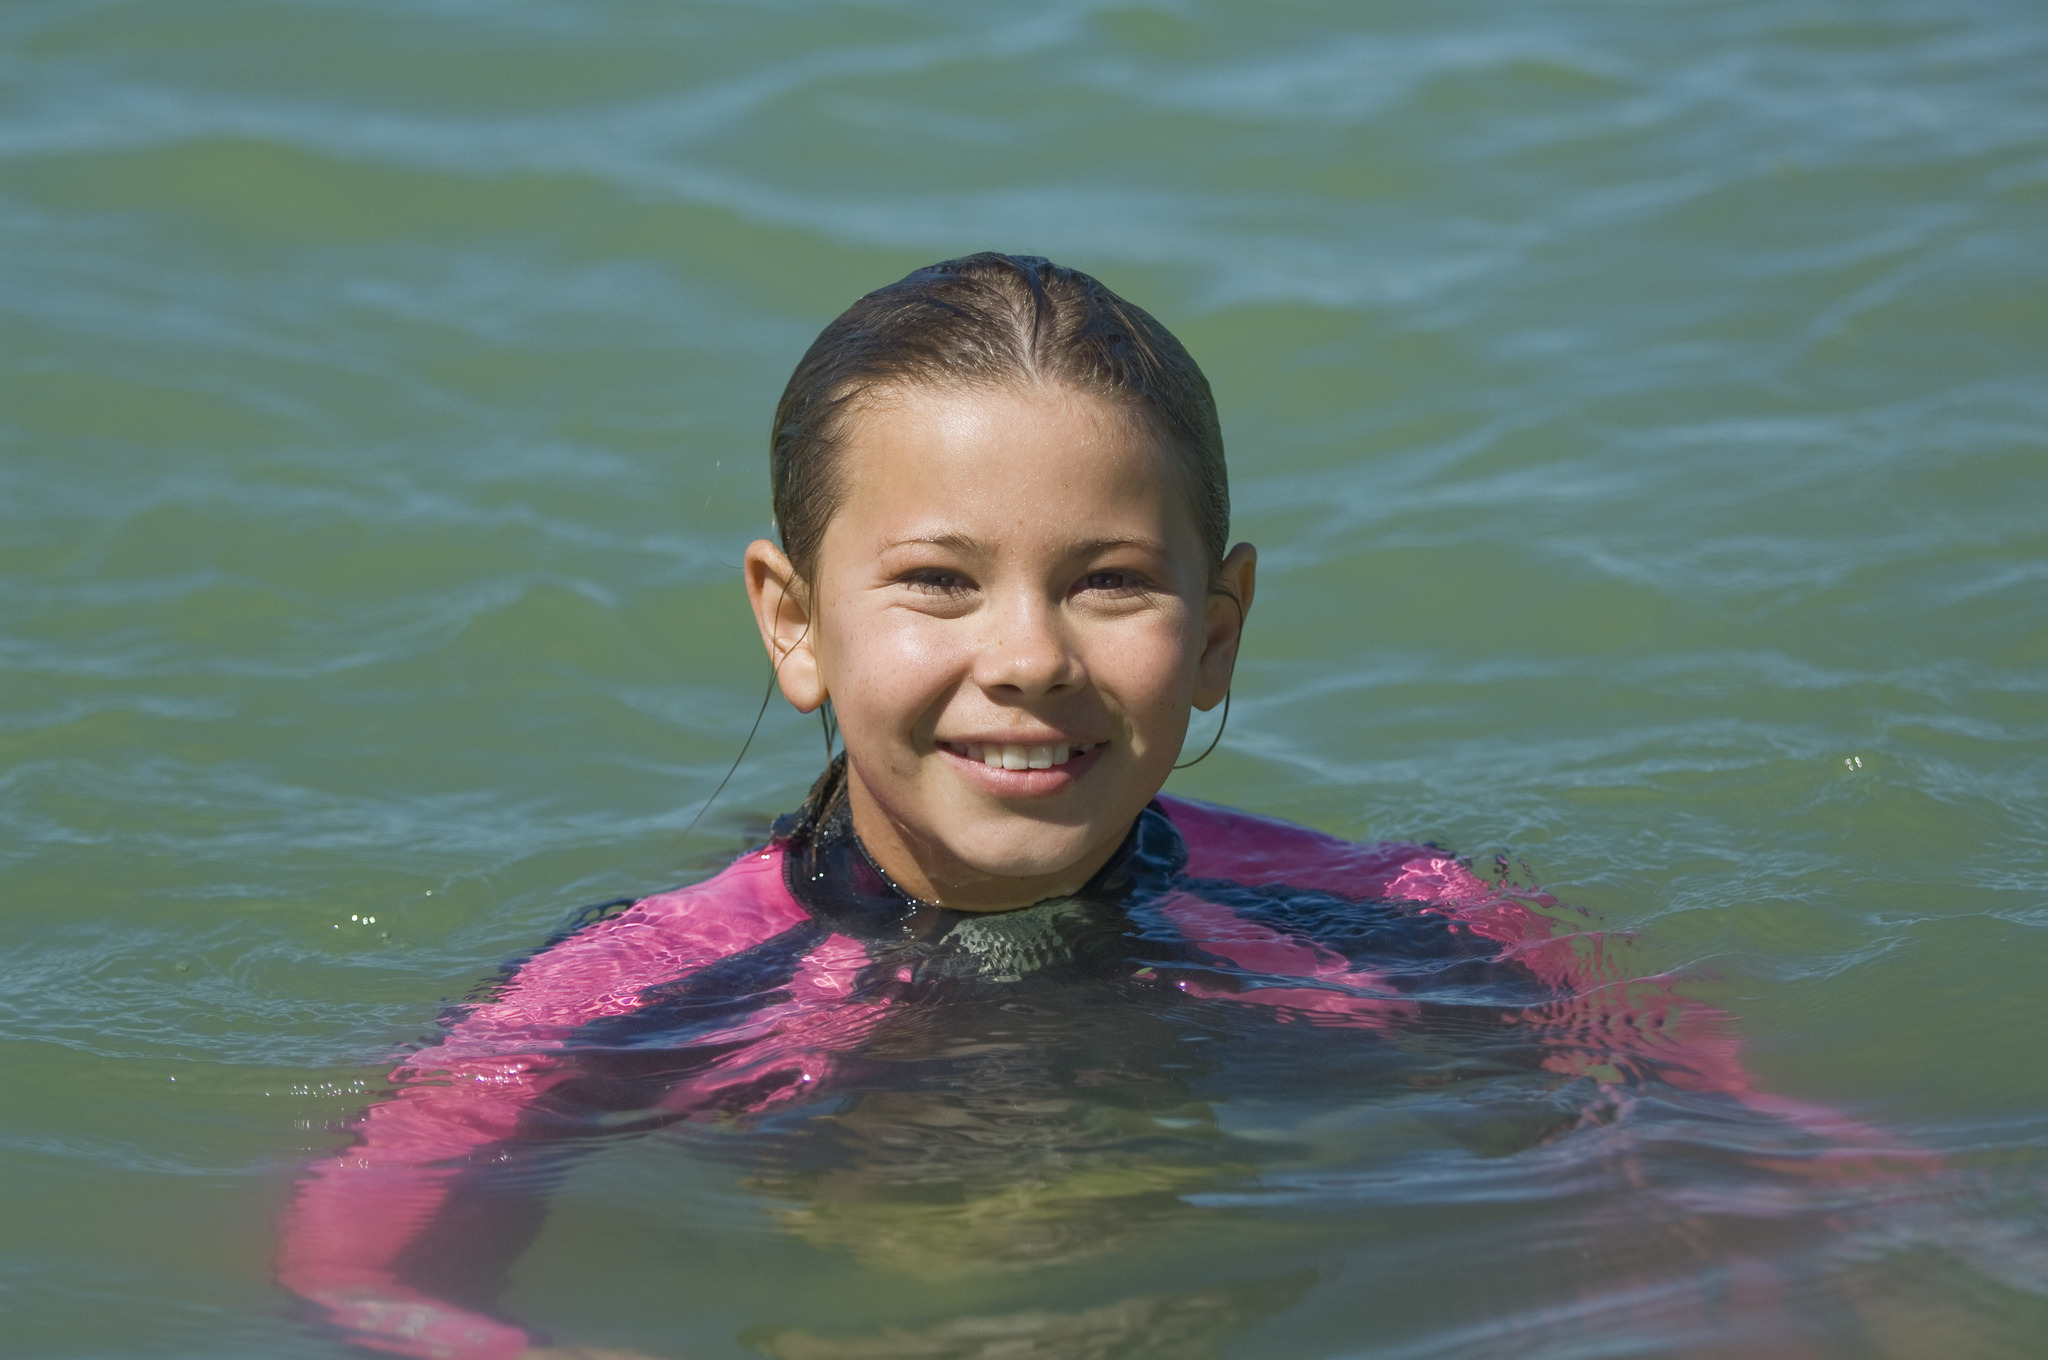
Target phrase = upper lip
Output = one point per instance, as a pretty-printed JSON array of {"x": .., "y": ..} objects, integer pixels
[{"x": 1005, "y": 739}]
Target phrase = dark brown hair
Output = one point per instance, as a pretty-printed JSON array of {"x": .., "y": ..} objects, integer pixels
[{"x": 987, "y": 320}]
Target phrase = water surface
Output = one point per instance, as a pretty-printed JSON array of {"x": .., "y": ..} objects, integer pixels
[{"x": 1639, "y": 407}]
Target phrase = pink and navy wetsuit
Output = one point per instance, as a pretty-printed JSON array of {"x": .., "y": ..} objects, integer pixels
[{"x": 800, "y": 975}]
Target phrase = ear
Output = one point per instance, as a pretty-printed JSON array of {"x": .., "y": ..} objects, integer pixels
[
  {"x": 1223, "y": 624},
  {"x": 782, "y": 610}
]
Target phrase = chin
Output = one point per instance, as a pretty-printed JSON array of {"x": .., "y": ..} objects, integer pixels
[{"x": 1038, "y": 852}]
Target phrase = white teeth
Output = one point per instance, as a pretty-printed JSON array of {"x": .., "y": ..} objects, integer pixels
[{"x": 1005, "y": 757}]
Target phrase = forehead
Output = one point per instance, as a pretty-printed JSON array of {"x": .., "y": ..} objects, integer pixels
[{"x": 1029, "y": 466}]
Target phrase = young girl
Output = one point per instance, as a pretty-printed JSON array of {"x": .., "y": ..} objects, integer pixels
[{"x": 1005, "y": 564}]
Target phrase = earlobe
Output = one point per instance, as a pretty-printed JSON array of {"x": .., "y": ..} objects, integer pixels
[{"x": 782, "y": 612}]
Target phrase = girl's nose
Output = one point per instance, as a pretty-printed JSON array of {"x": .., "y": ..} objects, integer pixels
[{"x": 1026, "y": 654}]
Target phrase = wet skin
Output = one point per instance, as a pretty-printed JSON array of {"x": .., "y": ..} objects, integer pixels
[{"x": 1008, "y": 569}]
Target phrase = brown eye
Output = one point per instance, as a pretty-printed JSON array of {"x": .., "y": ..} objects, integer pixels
[
  {"x": 1111, "y": 582},
  {"x": 937, "y": 582}
]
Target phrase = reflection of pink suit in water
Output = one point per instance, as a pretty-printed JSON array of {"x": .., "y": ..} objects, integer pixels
[{"x": 358, "y": 1214}]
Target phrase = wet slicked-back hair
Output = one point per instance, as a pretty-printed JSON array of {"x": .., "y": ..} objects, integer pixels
[{"x": 987, "y": 321}]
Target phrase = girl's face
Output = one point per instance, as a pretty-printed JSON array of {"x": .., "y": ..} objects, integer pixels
[{"x": 1012, "y": 617}]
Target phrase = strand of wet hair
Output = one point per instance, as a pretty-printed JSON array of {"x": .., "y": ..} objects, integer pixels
[
  {"x": 774, "y": 675},
  {"x": 1213, "y": 740}
]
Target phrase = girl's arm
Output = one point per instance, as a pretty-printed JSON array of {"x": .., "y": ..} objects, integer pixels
[
  {"x": 366, "y": 1238},
  {"x": 1623, "y": 1029},
  {"x": 403, "y": 1238},
  {"x": 1596, "y": 1021}
]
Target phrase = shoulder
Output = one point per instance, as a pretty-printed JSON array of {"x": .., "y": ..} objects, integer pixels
[
  {"x": 1256, "y": 851},
  {"x": 602, "y": 969},
  {"x": 743, "y": 904},
  {"x": 1246, "y": 848}
]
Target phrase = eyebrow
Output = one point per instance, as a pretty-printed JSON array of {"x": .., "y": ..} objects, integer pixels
[
  {"x": 968, "y": 545},
  {"x": 959, "y": 543}
]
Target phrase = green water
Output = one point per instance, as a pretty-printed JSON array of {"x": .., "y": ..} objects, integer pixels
[{"x": 1642, "y": 410}]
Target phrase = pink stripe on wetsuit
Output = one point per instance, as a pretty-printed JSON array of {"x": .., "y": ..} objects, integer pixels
[
  {"x": 806, "y": 994},
  {"x": 353, "y": 1215}
]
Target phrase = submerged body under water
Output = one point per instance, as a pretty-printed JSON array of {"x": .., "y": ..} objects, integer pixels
[{"x": 1235, "y": 1019}]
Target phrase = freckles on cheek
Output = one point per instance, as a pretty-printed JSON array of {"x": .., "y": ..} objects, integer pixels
[
  {"x": 1155, "y": 667},
  {"x": 890, "y": 675},
  {"x": 1176, "y": 671}
]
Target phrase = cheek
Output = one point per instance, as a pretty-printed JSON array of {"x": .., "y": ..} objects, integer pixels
[
  {"x": 887, "y": 671},
  {"x": 1151, "y": 671}
]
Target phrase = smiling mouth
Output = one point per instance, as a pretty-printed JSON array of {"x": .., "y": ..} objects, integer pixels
[{"x": 1006, "y": 757}]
